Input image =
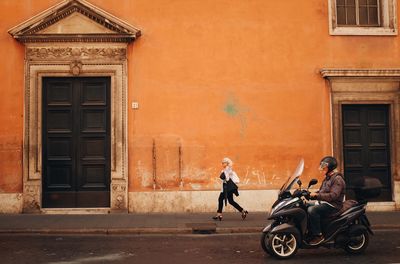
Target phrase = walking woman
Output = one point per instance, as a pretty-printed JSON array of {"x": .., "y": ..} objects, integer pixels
[{"x": 229, "y": 180}]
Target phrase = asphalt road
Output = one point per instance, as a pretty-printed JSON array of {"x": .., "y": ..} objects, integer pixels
[{"x": 203, "y": 249}]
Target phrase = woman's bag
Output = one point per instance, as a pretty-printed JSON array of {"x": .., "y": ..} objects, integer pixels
[{"x": 232, "y": 187}]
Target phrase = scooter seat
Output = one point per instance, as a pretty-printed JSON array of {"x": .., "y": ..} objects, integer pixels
[{"x": 347, "y": 205}]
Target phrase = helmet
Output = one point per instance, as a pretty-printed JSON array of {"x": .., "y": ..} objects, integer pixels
[{"x": 329, "y": 162}]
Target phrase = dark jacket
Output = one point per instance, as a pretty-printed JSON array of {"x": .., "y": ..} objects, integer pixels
[{"x": 332, "y": 190}]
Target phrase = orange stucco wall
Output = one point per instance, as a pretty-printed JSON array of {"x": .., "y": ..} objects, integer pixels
[{"x": 213, "y": 78}]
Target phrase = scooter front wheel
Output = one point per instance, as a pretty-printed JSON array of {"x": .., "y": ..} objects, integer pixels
[
  {"x": 282, "y": 246},
  {"x": 264, "y": 243}
]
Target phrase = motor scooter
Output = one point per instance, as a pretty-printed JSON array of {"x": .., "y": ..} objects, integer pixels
[{"x": 348, "y": 229}]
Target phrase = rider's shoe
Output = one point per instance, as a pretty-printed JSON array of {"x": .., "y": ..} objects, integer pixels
[{"x": 316, "y": 240}]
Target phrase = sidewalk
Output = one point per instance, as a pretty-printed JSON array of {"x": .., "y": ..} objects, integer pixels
[{"x": 184, "y": 223}]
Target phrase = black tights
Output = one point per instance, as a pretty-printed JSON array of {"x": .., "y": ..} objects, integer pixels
[{"x": 232, "y": 202}]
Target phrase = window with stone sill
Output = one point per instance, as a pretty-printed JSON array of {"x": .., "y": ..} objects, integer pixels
[{"x": 362, "y": 17}]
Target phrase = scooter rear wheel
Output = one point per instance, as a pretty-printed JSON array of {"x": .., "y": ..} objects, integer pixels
[
  {"x": 358, "y": 244},
  {"x": 282, "y": 246}
]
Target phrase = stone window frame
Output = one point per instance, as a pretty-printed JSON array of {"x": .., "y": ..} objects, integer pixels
[
  {"x": 388, "y": 20},
  {"x": 366, "y": 86}
]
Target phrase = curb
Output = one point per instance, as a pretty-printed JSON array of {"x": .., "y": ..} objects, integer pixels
[
  {"x": 152, "y": 230},
  {"x": 384, "y": 227},
  {"x": 89, "y": 231}
]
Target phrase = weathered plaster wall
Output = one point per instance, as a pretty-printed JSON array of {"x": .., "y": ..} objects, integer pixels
[
  {"x": 10, "y": 203},
  {"x": 238, "y": 79},
  {"x": 213, "y": 79},
  {"x": 11, "y": 101},
  {"x": 228, "y": 81}
]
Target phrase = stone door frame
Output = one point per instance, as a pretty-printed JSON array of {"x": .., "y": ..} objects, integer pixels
[
  {"x": 367, "y": 86},
  {"x": 67, "y": 60},
  {"x": 74, "y": 38}
]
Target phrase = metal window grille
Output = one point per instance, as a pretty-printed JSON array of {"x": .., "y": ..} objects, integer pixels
[{"x": 358, "y": 13}]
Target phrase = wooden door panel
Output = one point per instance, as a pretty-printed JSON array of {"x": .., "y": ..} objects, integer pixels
[
  {"x": 59, "y": 148},
  {"x": 59, "y": 176},
  {"x": 381, "y": 174},
  {"x": 94, "y": 148},
  {"x": 353, "y": 137},
  {"x": 59, "y": 120},
  {"x": 377, "y": 158},
  {"x": 94, "y": 176},
  {"x": 94, "y": 93},
  {"x": 93, "y": 198},
  {"x": 59, "y": 93},
  {"x": 366, "y": 146},
  {"x": 59, "y": 199},
  {"x": 94, "y": 120},
  {"x": 354, "y": 177},
  {"x": 377, "y": 137},
  {"x": 352, "y": 117},
  {"x": 77, "y": 144},
  {"x": 376, "y": 117},
  {"x": 95, "y": 141},
  {"x": 353, "y": 158}
]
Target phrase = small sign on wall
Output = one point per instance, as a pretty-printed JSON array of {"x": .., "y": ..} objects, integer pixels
[{"x": 135, "y": 105}]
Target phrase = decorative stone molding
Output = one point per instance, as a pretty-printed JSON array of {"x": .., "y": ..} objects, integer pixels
[
  {"x": 90, "y": 24},
  {"x": 330, "y": 73},
  {"x": 76, "y": 67},
  {"x": 32, "y": 197},
  {"x": 366, "y": 86},
  {"x": 119, "y": 196},
  {"x": 65, "y": 28},
  {"x": 69, "y": 53}
]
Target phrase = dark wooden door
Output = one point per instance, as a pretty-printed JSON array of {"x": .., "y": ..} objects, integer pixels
[
  {"x": 76, "y": 142},
  {"x": 366, "y": 146}
]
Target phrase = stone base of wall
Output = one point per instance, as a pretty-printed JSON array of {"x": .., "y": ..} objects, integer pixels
[
  {"x": 207, "y": 201},
  {"x": 188, "y": 201},
  {"x": 197, "y": 201},
  {"x": 396, "y": 190},
  {"x": 381, "y": 206},
  {"x": 11, "y": 203}
]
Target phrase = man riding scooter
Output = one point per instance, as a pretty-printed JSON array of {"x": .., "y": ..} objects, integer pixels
[{"x": 329, "y": 198}]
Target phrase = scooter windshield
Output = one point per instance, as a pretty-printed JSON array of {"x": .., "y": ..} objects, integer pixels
[{"x": 292, "y": 179}]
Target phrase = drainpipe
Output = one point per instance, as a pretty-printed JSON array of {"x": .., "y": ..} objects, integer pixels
[
  {"x": 180, "y": 167},
  {"x": 154, "y": 165}
]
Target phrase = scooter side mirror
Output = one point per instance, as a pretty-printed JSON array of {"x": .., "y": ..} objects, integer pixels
[
  {"x": 299, "y": 182},
  {"x": 312, "y": 182}
]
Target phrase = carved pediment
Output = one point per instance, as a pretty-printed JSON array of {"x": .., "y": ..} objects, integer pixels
[{"x": 74, "y": 21}]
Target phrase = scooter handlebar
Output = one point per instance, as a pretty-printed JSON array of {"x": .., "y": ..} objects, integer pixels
[
  {"x": 306, "y": 194},
  {"x": 313, "y": 198}
]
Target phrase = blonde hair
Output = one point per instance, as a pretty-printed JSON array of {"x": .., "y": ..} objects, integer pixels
[{"x": 227, "y": 160}]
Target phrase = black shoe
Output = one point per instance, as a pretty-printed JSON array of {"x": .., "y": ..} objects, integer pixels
[
  {"x": 217, "y": 217},
  {"x": 244, "y": 214},
  {"x": 316, "y": 240}
]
